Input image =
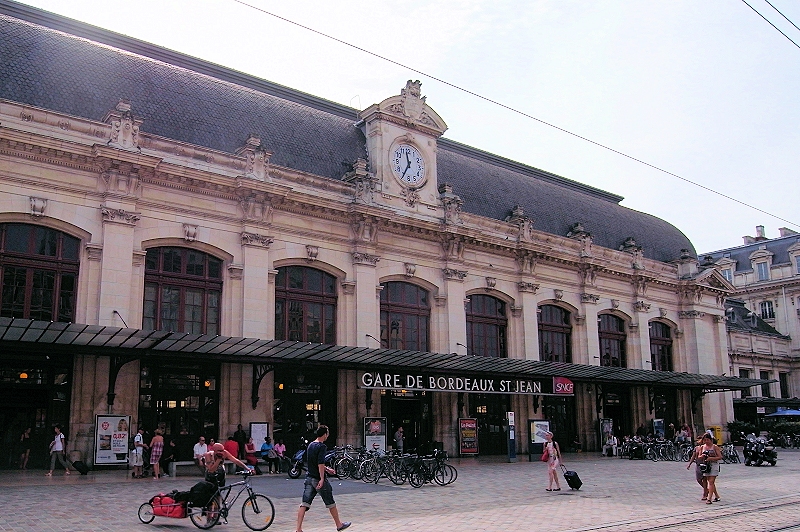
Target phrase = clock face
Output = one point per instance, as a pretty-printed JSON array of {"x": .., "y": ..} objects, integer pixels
[{"x": 408, "y": 164}]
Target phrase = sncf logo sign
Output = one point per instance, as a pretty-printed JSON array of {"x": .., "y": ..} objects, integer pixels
[{"x": 563, "y": 385}]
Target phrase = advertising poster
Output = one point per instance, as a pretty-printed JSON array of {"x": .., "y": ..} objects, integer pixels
[
  {"x": 658, "y": 428},
  {"x": 259, "y": 431},
  {"x": 538, "y": 428},
  {"x": 111, "y": 439},
  {"x": 375, "y": 433},
  {"x": 468, "y": 436}
]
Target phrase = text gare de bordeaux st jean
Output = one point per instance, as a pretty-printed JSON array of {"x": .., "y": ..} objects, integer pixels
[{"x": 397, "y": 381}]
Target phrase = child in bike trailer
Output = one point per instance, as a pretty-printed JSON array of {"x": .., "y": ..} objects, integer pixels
[{"x": 214, "y": 461}]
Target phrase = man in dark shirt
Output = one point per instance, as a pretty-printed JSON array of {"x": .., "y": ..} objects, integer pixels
[
  {"x": 316, "y": 481},
  {"x": 240, "y": 437}
]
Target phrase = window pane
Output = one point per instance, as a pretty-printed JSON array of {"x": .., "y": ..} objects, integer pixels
[
  {"x": 212, "y": 313},
  {"x": 170, "y": 304},
  {"x": 46, "y": 241},
  {"x": 149, "y": 308},
  {"x": 18, "y": 238},
  {"x": 295, "y": 277},
  {"x": 313, "y": 280},
  {"x": 330, "y": 324},
  {"x": 214, "y": 268},
  {"x": 151, "y": 260},
  {"x": 172, "y": 260},
  {"x": 196, "y": 263},
  {"x": 193, "y": 311},
  {"x": 313, "y": 316},
  {"x": 280, "y": 324},
  {"x": 69, "y": 248},
  {"x": 14, "y": 292},
  {"x": 295, "y": 321},
  {"x": 330, "y": 284},
  {"x": 42, "y": 295},
  {"x": 66, "y": 298}
]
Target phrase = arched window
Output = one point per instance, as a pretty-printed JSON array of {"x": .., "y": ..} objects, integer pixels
[
  {"x": 182, "y": 290},
  {"x": 405, "y": 313},
  {"x": 486, "y": 326},
  {"x": 305, "y": 305},
  {"x": 555, "y": 334},
  {"x": 612, "y": 341},
  {"x": 660, "y": 346},
  {"x": 40, "y": 273}
]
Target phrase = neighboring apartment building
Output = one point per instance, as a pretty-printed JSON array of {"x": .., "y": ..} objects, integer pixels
[
  {"x": 764, "y": 319},
  {"x": 199, "y": 248}
]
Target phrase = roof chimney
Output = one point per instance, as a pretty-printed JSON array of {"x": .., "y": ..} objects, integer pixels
[
  {"x": 760, "y": 233},
  {"x": 785, "y": 231}
]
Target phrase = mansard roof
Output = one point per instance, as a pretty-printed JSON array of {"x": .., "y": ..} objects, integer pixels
[
  {"x": 779, "y": 247},
  {"x": 738, "y": 317},
  {"x": 82, "y": 70}
]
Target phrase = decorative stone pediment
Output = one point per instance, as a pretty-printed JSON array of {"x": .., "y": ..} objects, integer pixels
[
  {"x": 409, "y": 110},
  {"x": 256, "y": 159},
  {"x": 762, "y": 253},
  {"x": 124, "y": 127}
]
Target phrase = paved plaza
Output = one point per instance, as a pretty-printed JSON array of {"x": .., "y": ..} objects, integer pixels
[{"x": 489, "y": 495}]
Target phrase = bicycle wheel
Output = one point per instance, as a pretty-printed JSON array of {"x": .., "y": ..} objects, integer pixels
[
  {"x": 343, "y": 467},
  {"x": 258, "y": 512},
  {"x": 444, "y": 474},
  {"x": 396, "y": 473},
  {"x": 146, "y": 514},
  {"x": 208, "y": 516}
]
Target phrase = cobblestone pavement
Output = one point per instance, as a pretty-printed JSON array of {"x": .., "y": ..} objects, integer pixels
[{"x": 489, "y": 495}]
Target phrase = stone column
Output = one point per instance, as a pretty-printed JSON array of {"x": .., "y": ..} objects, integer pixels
[
  {"x": 530, "y": 320},
  {"x": 255, "y": 280},
  {"x": 589, "y": 307},
  {"x": 116, "y": 264}
]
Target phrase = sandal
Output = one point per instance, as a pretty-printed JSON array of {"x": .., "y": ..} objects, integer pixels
[
  {"x": 708, "y": 501},
  {"x": 716, "y": 499},
  {"x": 547, "y": 489},
  {"x": 557, "y": 489}
]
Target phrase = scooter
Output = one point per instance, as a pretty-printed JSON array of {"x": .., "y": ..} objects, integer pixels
[
  {"x": 299, "y": 464},
  {"x": 759, "y": 450}
]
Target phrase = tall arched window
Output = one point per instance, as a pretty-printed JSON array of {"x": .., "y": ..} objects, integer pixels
[
  {"x": 660, "y": 346},
  {"x": 182, "y": 290},
  {"x": 39, "y": 271},
  {"x": 405, "y": 313},
  {"x": 555, "y": 334},
  {"x": 612, "y": 341},
  {"x": 486, "y": 326},
  {"x": 305, "y": 305}
]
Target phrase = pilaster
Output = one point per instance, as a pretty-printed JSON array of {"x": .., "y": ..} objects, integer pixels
[{"x": 119, "y": 222}]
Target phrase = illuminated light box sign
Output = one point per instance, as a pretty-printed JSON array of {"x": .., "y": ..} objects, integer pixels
[{"x": 445, "y": 383}]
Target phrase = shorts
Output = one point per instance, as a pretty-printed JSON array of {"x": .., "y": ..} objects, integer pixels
[
  {"x": 714, "y": 470},
  {"x": 136, "y": 459},
  {"x": 310, "y": 491}
]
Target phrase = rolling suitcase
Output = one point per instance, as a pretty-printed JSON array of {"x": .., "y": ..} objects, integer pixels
[
  {"x": 572, "y": 478},
  {"x": 80, "y": 467}
]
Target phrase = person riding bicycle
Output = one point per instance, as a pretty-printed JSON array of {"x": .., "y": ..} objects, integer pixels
[{"x": 214, "y": 461}]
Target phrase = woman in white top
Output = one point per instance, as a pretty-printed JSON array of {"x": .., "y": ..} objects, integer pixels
[
  {"x": 553, "y": 461},
  {"x": 58, "y": 449}
]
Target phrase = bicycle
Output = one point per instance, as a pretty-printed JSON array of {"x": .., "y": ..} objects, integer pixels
[{"x": 258, "y": 512}]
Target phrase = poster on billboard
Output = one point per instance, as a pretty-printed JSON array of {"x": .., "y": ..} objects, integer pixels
[
  {"x": 259, "y": 431},
  {"x": 375, "y": 433},
  {"x": 468, "y": 435},
  {"x": 538, "y": 429},
  {"x": 111, "y": 439}
]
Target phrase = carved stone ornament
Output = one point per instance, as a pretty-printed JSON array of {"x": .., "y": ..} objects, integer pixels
[
  {"x": 312, "y": 252},
  {"x": 440, "y": 300},
  {"x": 452, "y": 247},
  {"x": 516, "y": 311},
  {"x": 365, "y": 229},
  {"x": 641, "y": 306},
  {"x": 578, "y": 233},
  {"x": 558, "y": 294},
  {"x": 523, "y": 223},
  {"x": 38, "y": 205},
  {"x": 189, "y": 232},
  {"x": 678, "y": 333},
  {"x": 718, "y": 318},
  {"x": 690, "y": 293},
  {"x": 364, "y": 258},
  {"x": 124, "y": 127},
  {"x": 236, "y": 272},
  {"x": 588, "y": 273},
  {"x": 491, "y": 283},
  {"x": 119, "y": 178},
  {"x": 691, "y": 314},
  {"x": 451, "y": 203},
  {"x": 615, "y": 303},
  {"x": 410, "y": 268},
  {"x": 410, "y": 195},
  {"x": 138, "y": 258},
  {"x": 256, "y": 159},
  {"x": 348, "y": 287},
  {"x": 580, "y": 318},
  {"x": 412, "y": 101},
  {"x": 255, "y": 207},
  {"x": 524, "y": 286},
  {"x": 94, "y": 251},
  {"x": 633, "y": 326},
  {"x": 253, "y": 239},
  {"x": 639, "y": 285},
  {"x": 590, "y": 298},
  {"x": 662, "y": 312},
  {"x": 526, "y": 261},
  {"x": 365, "y": 183},
  {"x": 271, "y": 275},
  {"x": 119, "y": 216},
  {"x": 452, "y": 274}
]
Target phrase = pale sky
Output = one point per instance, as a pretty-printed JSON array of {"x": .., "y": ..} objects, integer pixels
[{"x": 707, "y": 90}]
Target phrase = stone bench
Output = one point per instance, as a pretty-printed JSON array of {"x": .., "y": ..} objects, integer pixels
[{"x": 173, "y": 467}]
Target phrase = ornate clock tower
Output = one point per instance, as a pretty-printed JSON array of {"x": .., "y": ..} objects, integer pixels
[{"x": 401, "y": 134}]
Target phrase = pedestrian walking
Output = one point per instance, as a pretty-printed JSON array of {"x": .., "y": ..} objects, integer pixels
[
  {"x": 553, "y": 461},
  {"x": 24, "y": 448},
  {"x": 58, "y": 450},
  {"x": 156, "y": 449},
  {"x": 316, "y": 481},
  {"x": 399, "y": 439},
  {"x": 711, "y": 455}
]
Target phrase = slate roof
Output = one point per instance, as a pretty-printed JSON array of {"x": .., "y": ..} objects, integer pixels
[
  {"x": 201, "y": 103},
  {"x": 738, "y": 317},
  {"x": 741, "y": 254}
]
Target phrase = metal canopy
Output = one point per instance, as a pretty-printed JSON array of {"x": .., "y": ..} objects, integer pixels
[{"x": 105, "y": 340}]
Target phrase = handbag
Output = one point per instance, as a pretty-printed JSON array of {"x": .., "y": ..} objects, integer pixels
[
  {"x": 545, "y": 455},
  {"x": 271, "y": 453}
]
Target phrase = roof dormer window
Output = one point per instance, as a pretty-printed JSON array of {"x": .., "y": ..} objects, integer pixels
[
  {"x": 762, "y": 271},
  {"x": 727, "y": 274}
]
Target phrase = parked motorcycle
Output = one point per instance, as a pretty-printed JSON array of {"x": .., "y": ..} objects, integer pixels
[
  {"x": 299, "y": 464},
  {"x": 757, "y": 451}
]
